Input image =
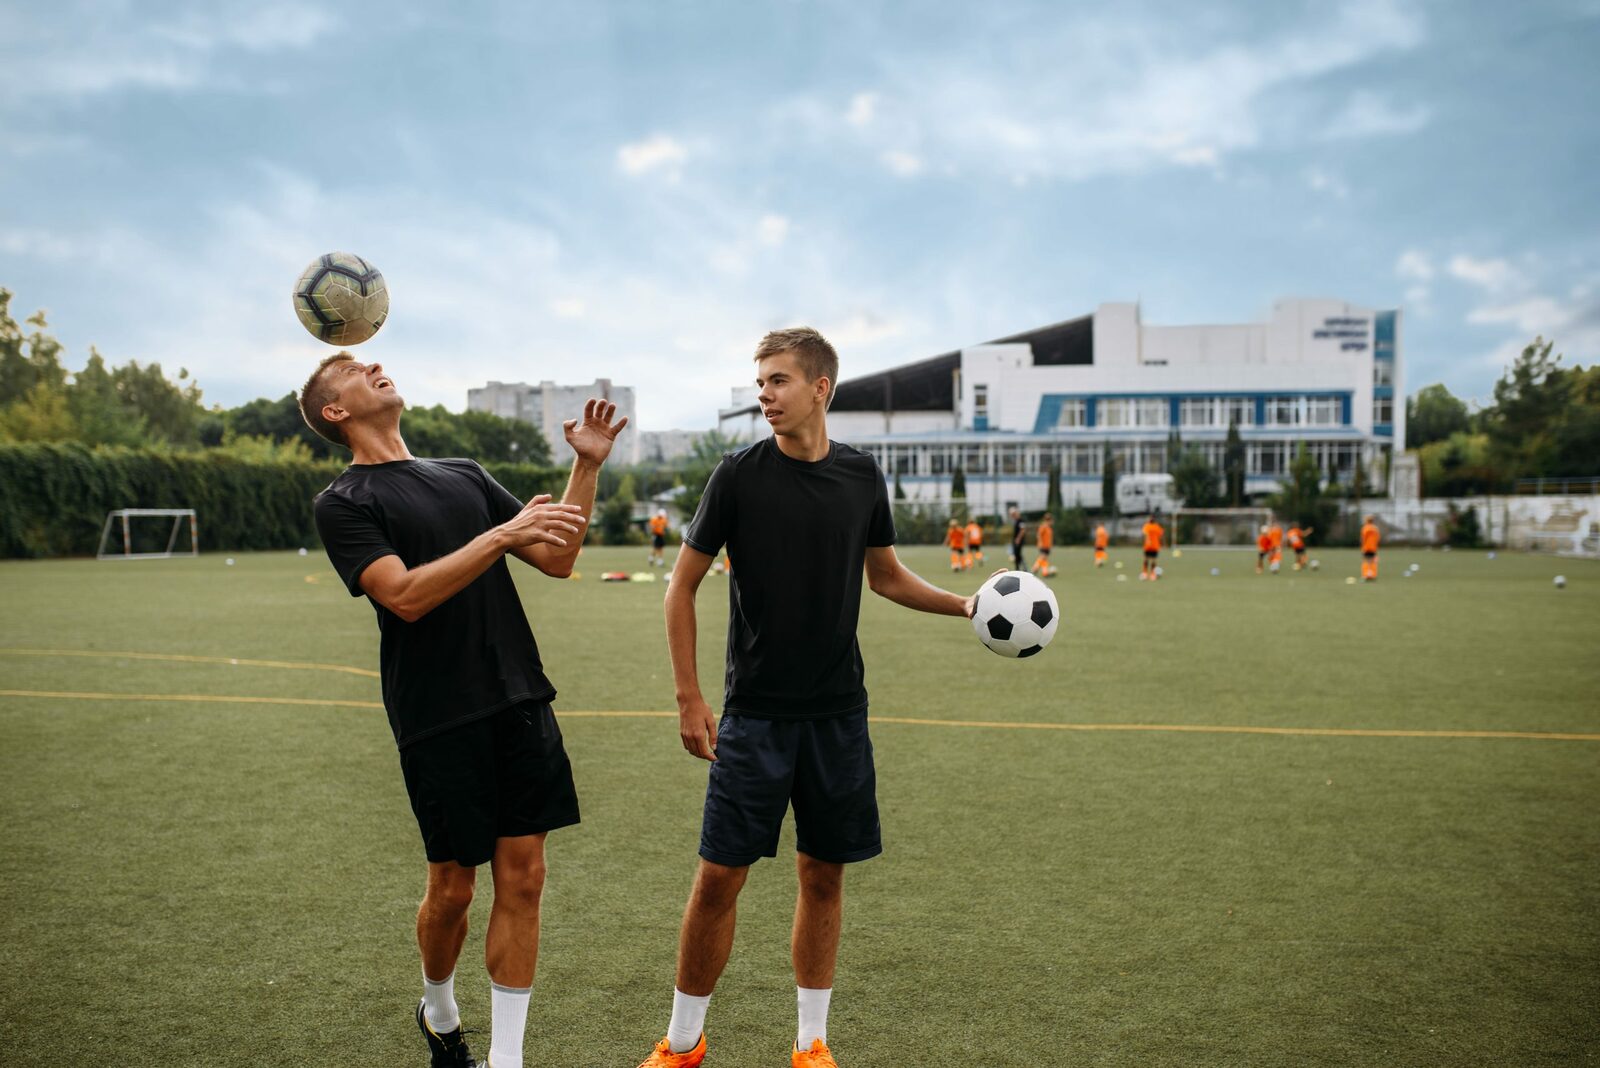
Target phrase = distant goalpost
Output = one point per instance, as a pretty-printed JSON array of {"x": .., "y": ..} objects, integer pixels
[
  {"x": 1218, "y": 528},
  {"x": 146, "y": 533}
]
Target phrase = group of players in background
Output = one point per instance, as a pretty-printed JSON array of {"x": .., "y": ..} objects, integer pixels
[{"x": 965, "y": 542}]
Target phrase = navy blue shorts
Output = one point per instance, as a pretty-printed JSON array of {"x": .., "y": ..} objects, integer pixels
[{"x": 823, "y": 767}]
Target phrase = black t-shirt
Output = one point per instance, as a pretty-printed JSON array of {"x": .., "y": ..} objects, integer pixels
[
  {"x": 797, "y": 535},
  {"x": 474, "y": 654},
  {"x": 1019, "y": 536}
]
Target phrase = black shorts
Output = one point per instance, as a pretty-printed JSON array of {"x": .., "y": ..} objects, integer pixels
[
  {"x": 658, "y": 540},
  {"x": 502, "y": 776},
  {"x": 821, "y": 766},
  {"x": 1151, "y": 554},
  {"x": 1044, "y": 552},
  {"x": 1369, "y": 556}
]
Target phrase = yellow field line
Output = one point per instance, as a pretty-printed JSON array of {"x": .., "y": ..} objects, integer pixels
[
  {"x": 1179, "y": 728},
  {"x": 291, "y": 665}
]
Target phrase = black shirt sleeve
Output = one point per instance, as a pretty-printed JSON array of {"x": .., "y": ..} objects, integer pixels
[
  {"x": 708, "y": 531},
  {"x": 880, "y": 529},
  {"x": 352, "y": 538},
  {"x": 503, "y": 504}
]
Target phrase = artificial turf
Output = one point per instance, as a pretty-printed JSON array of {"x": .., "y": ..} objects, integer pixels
[{"x": 208, "y": 882}]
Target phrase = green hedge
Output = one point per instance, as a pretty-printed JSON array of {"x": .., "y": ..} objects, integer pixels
[{"x": 54, "y": 498}]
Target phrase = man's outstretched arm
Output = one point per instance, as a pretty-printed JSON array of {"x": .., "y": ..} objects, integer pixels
[
  {"x": 889, "y": 578},
  {"x": 591, "y": 438}
]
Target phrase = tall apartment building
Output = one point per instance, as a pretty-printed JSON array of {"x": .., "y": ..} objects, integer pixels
[{"x": 548, "y": 405}]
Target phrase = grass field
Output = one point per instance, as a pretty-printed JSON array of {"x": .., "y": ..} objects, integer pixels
[{"x": 220, "y": 881}]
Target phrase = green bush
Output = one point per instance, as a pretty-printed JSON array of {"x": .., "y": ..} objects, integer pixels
[{"x": 54, "y": 497}]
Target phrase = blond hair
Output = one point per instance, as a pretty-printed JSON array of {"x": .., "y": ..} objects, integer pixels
[{"x": 811, "y": 350}]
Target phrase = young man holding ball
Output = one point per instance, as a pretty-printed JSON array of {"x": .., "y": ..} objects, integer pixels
[
  {"x": 800, "y": 516},
  {"x": 466, "y": 693}
]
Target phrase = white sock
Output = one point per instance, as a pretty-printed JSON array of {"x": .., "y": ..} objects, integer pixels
[
  {"x": 688, "y": 1021},
  {"x": 813, "y": 1016},
  {"x": 509, "y": 1017},
  {"x": 439, "y": 1004}
]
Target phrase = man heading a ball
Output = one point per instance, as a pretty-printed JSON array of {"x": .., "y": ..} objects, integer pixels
[
  {"x": 800, "y": 516},
  {"x": 468, "y": 701}
]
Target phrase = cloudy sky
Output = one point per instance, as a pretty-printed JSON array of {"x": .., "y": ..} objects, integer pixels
[{"x": 640, "y": 190}]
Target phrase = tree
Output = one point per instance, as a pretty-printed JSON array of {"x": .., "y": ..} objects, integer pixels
[
  {"x": 1433, "y": 414},
  {"x": 171, "y": 410},
  {"x": 958, "y": 484},
  {"x": 1174, "y": 448},
  {"x": 1108, "y": 481},
  {"x": 899, "y": 490},
  {"x": 708, "y": 452},
  {"x": 1194, "y": 480},
  {"x": 1052, "y": 500},
  {"x": 26, "y": 360},
  {"x": 40, "y": 414},
  {"x": 616, "y": 515},
  {"x": 1233, "y": 465},
  {"x": 1529, "y": 399},
  {"x": 1299, "y": 497},
  {"x": 99, "y": 413}
]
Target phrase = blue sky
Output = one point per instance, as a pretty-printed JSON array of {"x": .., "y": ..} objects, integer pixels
[{"x": 640, "y": 190}]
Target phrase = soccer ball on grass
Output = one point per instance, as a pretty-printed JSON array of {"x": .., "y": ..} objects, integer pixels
[{"x": 1016, "y": 614}]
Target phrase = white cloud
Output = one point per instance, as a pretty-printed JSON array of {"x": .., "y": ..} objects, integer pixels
[
  {"x": 903, "y": 163},
  {"x": 1106, "y": 96},
  {"x": 1532, "y": 315},
  {"x": 655, "y": 153},
  {"x": 103, "y": 50},
  {"x": 862, "y": 108},
  {"x": 1321, "y": 181},
  {"x": 1494, "y": 275},
  {"x": 772, "y": 230},
  {"x": 1369, "y": 115},
  {"x": 1414, "y": 265},
  {"x": 568, "y": 307}
]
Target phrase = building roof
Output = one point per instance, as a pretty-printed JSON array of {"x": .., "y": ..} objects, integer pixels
[{"x": 930, "y": 385}]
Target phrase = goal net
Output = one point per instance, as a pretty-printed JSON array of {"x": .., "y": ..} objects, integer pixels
[
  {"x": 1220, "y": 527},
  {"x": 148, "y": 534}
]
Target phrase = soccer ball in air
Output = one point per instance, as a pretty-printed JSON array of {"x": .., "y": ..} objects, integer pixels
[
  {"x": 1561, "y": 582},
  {"x": 341, "y": 299},
  {"x": 1016, "y": 614}
]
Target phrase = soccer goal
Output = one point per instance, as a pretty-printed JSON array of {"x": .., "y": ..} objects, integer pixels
[
  {"x": 1218, "y": 527},
  {"x": 143, "y": 529}
]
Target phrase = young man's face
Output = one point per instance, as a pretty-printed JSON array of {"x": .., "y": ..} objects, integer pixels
[
  {"x": 787, "y": 399},
  {"x": 361, "y": 391}
]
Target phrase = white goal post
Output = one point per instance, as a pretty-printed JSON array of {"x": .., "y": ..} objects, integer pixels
[
  {"x": 177, "y": 515},
  {"x": 1220, "y": 527}
]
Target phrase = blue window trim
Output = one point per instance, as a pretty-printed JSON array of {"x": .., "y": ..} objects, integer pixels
[
  {"x": 1050, "y": 404},
  {"x": 1383, "y": 391}
]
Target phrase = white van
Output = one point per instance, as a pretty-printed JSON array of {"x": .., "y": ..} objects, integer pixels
[{"x": 1142, "y": 494}]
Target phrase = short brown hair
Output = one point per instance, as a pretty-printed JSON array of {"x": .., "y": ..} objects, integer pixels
[
  {"x": 316, "y": 395},
  {"x": 817, "y": 358}
]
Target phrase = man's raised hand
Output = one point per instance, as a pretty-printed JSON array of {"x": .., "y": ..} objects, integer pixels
[
  {"x": 543, "y": 521},
  {"x": 592, "y": 436}
]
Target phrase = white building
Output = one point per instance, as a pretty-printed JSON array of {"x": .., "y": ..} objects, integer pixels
[
  {"x": 1321, "y": 372},
  {"x": 548, "y": 405},
  {"x": 664, "y": 446}
]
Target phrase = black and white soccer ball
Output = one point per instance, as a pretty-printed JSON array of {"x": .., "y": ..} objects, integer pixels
[
  {"x": 1016, "y": 614},
  {"x": 1561, "y": 582},
  {"x": 341, "y": 299}
]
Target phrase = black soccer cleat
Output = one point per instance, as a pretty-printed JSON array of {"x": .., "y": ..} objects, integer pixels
[{"x": 448, "y": 1050}]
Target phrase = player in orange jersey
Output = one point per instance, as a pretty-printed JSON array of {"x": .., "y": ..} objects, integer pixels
[
  {"x": 974, "y": 543},
  {"x": 956, "y": 538},
  {"x": 1263, "y": 548},
  {"x": 1046, "y": 542},
  {"x": 1277, "y": 543},
  {"x": 1297, "y": 542},
  {"x": 1101, "y": 540},
  {"x": 1369, "y": 548},
  {"x": 658, "y": 539},
  {"x": 1152, "y": 548}
]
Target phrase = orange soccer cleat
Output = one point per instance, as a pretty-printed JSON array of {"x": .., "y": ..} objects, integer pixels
[
  {"x": 663, "y": 1057},
  {"x": 817, "y": 1056}
]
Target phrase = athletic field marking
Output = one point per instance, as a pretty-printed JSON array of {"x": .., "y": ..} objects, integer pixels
[
  {"x": 290, "y": 665},
  {"x": 1176, "y": 728}
]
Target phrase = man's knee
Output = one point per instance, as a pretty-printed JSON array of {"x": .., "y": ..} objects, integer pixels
[
  {"x": 449, "y": 891},
  {"x": 820, "y": 879},
  {"x": 520, "y": 885},
  {"x": 717, "y": 886}
]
